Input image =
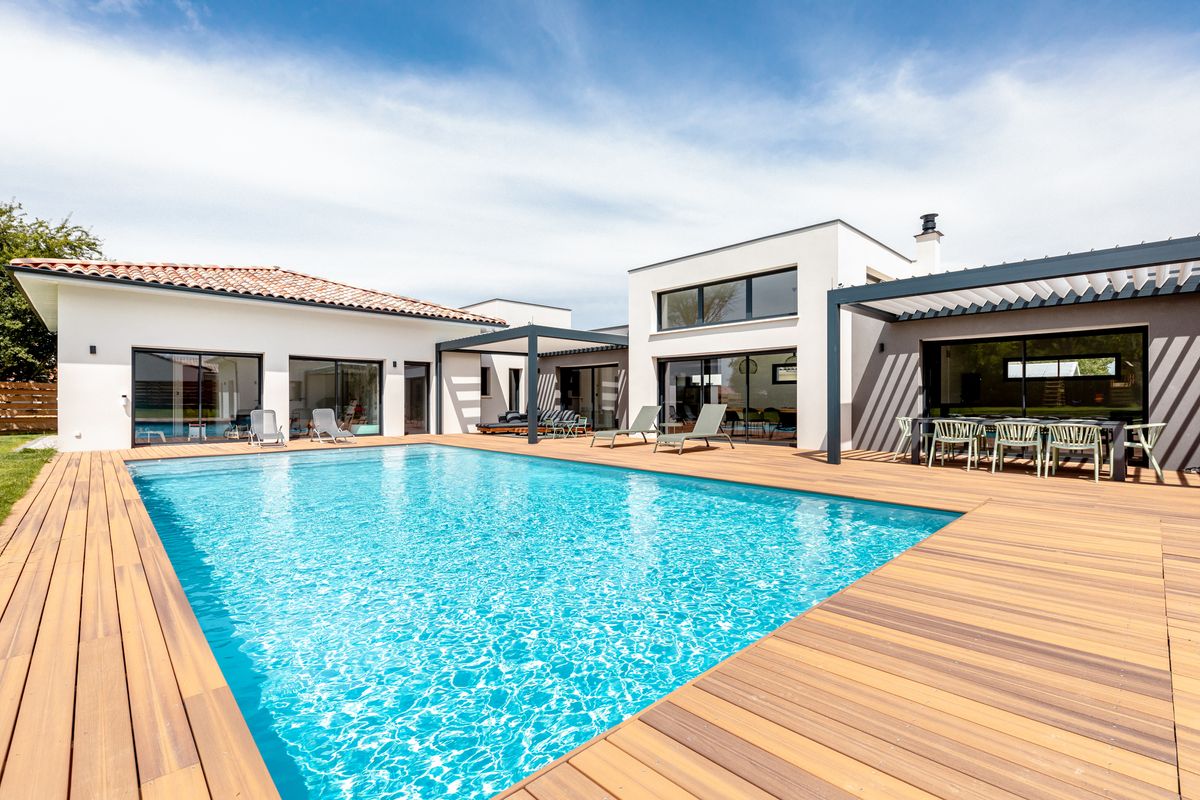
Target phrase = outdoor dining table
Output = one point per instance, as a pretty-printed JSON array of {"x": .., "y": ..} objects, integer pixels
[{"x": 1113, "y": 429}]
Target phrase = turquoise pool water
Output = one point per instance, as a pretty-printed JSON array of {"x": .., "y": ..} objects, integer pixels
[{"x": 429, "y": 621}]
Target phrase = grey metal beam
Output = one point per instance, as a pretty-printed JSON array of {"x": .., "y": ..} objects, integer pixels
[
  {"x": 1149, "y": 254},
  {"x": 531, "y": 382},
  {"x": 437, "y": 379},
  {"x": 833, "y": 386},
  {"x": 874, "y": 313},
  {"x": 530, "y": 332}
]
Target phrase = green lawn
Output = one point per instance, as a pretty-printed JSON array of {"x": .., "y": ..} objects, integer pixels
[{"x": 18, "y": 469}]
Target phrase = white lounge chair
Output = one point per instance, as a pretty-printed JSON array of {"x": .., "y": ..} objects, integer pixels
[
  {"x": 708, "y": 426},
  {"x": 325, "y": 424},
  {"x": 264, "y": 430},
  {"x": 643, "y": 424}
]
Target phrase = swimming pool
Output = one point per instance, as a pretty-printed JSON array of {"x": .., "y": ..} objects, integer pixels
[{"x": 431, "y": 621}]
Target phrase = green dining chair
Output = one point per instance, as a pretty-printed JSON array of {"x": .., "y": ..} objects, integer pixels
[
  {"x": 1021, "y": 435},
  {"x": 955, "y": 432},
  {"x": 1074, "y": 437},
  {"x": 1145, "y": 438},
  {"x": 905, "y": 425}
]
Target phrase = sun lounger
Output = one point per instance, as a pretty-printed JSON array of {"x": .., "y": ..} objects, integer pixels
[
  {"x": 708, "y": 426},
  {"x": 643, "y": 424},
  {"x": 264, "y": 430},
  {"x": 325, "y": 424}
]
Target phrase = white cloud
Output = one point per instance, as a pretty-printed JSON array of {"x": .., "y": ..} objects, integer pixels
[{"x": 458, "y": 189}]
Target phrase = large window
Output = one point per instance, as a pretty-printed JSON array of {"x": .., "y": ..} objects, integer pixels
[
  {"x": 514, "y": 390},
  {"x": 193, "y": 396},
  {"x": 1099, "y": 374},
  {"x": 759, "y": 390},
  {"x": 771, "y": 294},
  {"x": 353, "y": 389},
  {"x": 592, "y": 392}
]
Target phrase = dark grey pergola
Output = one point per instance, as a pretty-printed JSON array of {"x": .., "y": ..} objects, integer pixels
[
  {"x": 1143, "y": 270},
  {"x": 530, "y": 340}
]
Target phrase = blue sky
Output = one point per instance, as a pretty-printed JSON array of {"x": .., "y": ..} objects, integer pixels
[{"x": 441, "y": 149}]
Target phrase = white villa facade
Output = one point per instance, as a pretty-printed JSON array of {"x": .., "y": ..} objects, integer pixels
[
  {"x": 147, "y": 363},
  {"x": 764, "y": 347},
  {"x": 178, "y": 353}
]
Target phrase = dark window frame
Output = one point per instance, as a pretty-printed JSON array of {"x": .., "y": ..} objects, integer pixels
[
  {"x": 337, "y": 362},
  {"x": 592, "y": 368},
  {"x": 699, "y": 288},
  {"x": 428, "y": 385},
  {"x": 1116, "y": 357},
  {"x": 515, "y": 376},
  {"x": 485, "y": 381},
  {"x": 180, "y": 351},
  {"x": 930, "y": 366},
  {"x": 660, "y": 369}
]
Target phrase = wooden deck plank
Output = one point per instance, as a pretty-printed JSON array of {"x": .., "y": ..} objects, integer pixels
[
  {"x": 22, "y": 615},
  {"x": 163, "y": 741},
  {"x": 1046, "y": 644},
  {"x": 226, "y": 747},
  {"x": 103, "y": 764},
  {"x": 39, "y": 756}
]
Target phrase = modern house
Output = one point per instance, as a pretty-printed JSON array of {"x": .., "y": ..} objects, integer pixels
[
  {"x": 155, "y": 353},
  {"x": 818, "y": 337},
  {"x": 824, "y": 330},
  {"x": 744, "y": 325}
]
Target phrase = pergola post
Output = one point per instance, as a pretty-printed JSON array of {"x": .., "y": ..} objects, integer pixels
[
  {"x": 833, "y": 385},
  {"x": 437, "y": 381},
  {"x": 531, "y": 379}
]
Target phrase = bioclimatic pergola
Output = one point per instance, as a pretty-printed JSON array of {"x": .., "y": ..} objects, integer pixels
[
  {"x": 530, "y": 341},
  {"x": 1121, "y": 273}
]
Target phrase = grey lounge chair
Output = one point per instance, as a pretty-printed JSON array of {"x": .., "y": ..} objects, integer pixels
[
  {"x": 264, "y": 430},
  {"x": 708, "y": 426},
  {"x": 325, "y": 424},
  {"x": 643, "y": 423}
]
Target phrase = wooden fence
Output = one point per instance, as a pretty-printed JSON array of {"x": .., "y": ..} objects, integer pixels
[{"x": 28, "y": 407}]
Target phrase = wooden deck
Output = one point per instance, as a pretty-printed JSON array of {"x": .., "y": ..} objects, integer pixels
[{"x": 1045, "y": 644}]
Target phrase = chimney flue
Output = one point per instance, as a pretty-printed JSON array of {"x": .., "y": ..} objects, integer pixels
[{"x": 928, "y": 223}]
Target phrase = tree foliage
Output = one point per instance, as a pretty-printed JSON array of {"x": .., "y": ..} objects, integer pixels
[{"x": 27, "y": 349}]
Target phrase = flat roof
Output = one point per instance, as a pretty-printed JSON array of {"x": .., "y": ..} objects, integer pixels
[
  {"x": 826, "y": 224},
  {"x": 518, "y": 302},
  {"x": 515, "y": 341}
]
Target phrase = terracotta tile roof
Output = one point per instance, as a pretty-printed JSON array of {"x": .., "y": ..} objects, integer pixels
[{"x": 265, "y": 282}]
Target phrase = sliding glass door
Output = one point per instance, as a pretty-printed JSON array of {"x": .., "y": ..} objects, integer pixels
[
  {"x": 1090, "y": 374},
  {"x": 592, "y": 392},
  {"x": 758, "y": 390},
  {"x": 353, "y": 389},
  {"x": 181, "y": 396},
  {"x": 416, "y": 397}
]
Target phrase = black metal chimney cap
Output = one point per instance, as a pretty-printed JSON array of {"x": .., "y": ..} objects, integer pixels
[{"x": 928, "y": 223}]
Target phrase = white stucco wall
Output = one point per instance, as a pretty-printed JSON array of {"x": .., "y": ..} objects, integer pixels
[
  {"x": 824, "y": 255},
  {"x": 460, "y": 392},
  {"x": 92, "y": 414},
  {"x": 500, "y": 399}
]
